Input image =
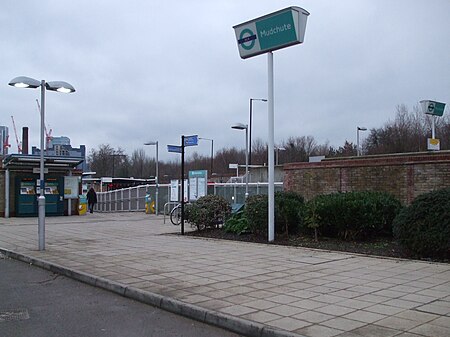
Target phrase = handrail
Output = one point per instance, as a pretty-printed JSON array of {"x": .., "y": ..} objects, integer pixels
[
  {"x": 132, "y": 199},
  {"x": 167, "y": 204}
]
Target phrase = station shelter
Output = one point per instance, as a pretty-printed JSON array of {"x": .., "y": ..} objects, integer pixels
[{"x": 19, "y": 185}]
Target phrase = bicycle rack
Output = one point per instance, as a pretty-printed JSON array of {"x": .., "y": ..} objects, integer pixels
[{"x": 166, "y": 207}]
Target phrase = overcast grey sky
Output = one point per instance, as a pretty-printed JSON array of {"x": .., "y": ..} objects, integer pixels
[{"x": 154, "y": 70}]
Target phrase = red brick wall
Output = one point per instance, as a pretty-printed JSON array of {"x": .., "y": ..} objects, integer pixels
[{"x": 404, "y": 175}]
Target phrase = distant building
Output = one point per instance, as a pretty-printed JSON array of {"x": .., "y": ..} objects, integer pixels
[
  {"x": 62, "y": 140},
  {"x": 60, "y": 146},
  {"x": 4, "y": 138}
]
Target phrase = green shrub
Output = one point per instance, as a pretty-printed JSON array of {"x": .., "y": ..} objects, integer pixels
[
  {"x": 353, "y": 215},
  {"x": 424, "y": 226},
  {"x": 288, "y": 212},
  {"x": 312, "y": 217},
  {"x": 237, "y": 224},
  {"x": 208, "y": 211},
  {"x": 256, "y": 212}
]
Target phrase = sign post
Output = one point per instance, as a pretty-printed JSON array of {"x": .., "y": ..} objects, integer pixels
[
  {"x": 262, "y": 35},
  {"x": 185, "y": 141},
  {"x": 435, "y": 109}
]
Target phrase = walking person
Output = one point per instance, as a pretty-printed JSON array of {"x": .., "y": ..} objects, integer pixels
[{"x": 91, "y": 199}]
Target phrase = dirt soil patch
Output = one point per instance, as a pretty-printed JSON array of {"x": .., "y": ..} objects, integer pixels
[{"x": 387, "y": 247}]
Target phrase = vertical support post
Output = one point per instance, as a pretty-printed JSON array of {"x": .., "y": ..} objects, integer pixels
[
  {"x": 212, "y": 156},
  {"x": 182, "y": 185},
  {"x": 433, "y": 126},
  {"x": 270, "y": 152},
  {"x": 250, "y": 134},
  {"x": 69, "y": 201},
  {"x": 137, "y": 199},
  {"x": 41, "y": 198},
  {"x": 7, "y": 179},
  {"x": 357, "y": 141},
  {"x": 157, "y": 180},
  {"x": 246, "y": 163}
]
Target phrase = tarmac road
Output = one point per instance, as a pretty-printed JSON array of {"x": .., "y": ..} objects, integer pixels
[{"x": 38, "y": 303}]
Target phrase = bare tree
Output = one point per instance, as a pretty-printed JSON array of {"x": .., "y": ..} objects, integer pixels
[
  {"x": 259, "y": 152},
  {"x": 106, "y": 161},
  {"x": 408, "y": 132},
  {"x": 138, "y": 163}
]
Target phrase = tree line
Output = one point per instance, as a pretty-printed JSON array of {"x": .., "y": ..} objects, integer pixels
[{"x": 407, "y": 132}]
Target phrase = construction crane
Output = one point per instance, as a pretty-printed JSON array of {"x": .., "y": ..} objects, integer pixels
[
  {"x": 19, "y": 144},
  {"x": 48, "y": 135}
]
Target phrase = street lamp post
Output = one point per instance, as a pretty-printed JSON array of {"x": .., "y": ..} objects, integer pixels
[
  {"x": 240, "y": 126},
  {"x": 250, "y": 124},
  {"x": 277, "y": 153},
  {"x": 359, "y": 128},
  {"x": 156, "y": 176},
  {"x": 60, "y": 86},
  {"x": 212, "y": 151}
]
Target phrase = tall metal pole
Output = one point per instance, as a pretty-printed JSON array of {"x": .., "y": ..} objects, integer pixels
[
  {"x": 246, "y": 163},
  {"x": 7, "y": 182},
  {"x": 357, "y": 141},
  {"x": 41, "y": 198},
  {"x": 212, "y": 155},
  {"x": 276, "y": 155},
  {"x": 250, "y": 136},
  {"x": 358, "y": 148},
  {"x": 182, "y": 185},
  {"x": 433, "y": 127},
  {"x": 271, "y": 196},
  {"x": 157, "y": 179}
]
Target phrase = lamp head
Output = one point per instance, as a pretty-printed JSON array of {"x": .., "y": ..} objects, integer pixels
[
  {"x": 151, "y": 143},
  {"x": 239, "y": 126},
  {"x": 362, "y": 128},
  {"x": 60, "y": 86},
  {"x": 24, "y": 82}
]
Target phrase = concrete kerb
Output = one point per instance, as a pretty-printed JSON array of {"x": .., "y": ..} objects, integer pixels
[{"x": 221, "y": 320}]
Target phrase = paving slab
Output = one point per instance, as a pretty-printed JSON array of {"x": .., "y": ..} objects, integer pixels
[{"x": 253, "y": 289}]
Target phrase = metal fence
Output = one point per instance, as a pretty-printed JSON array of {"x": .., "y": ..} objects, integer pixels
[{"x": 132, "y": 199}]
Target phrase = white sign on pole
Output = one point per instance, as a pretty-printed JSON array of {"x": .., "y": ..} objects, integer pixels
[
  {"x": 263, "y": 35},
  {"x": 174, "y": 195},
  {"x": 434, "y": 144},
  {"x": 197, "y": 184},
  {"x": 71, "y": 185},
  {"x": 185, "y": 190}
]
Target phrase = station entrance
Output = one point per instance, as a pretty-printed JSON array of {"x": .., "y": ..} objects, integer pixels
[
  {"x": 27, "y": 191},
  {"x": 20, "y": 178}
]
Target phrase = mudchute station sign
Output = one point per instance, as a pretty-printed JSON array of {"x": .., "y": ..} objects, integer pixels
[{"x": 270, "y": 32}]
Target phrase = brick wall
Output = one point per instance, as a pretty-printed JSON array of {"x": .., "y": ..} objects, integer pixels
[{"x": 404, "y": 175}]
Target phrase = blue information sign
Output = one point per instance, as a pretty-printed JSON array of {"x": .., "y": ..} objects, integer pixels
[
  {"x": 174, "y": 148},
  {"x": 191, "y": 140}
]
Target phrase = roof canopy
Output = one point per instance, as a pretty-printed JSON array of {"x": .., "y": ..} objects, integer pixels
[{"x": 26, "y": 161}]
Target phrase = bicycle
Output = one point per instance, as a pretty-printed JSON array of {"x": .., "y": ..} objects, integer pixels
[{"x": 175, "y": 215}]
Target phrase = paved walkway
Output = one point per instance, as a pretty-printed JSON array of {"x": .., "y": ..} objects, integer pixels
[{"x": 257, "y": 289}]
